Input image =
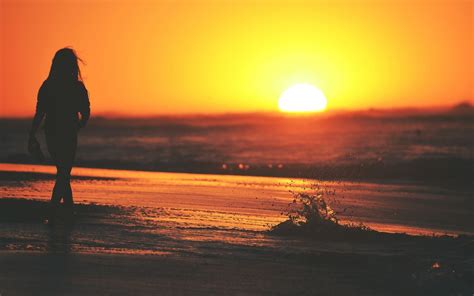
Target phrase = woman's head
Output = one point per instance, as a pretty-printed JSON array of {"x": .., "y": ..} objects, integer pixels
[{"x": 65, "y": 65}]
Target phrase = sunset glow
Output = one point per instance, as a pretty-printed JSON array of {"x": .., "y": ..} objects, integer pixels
[
  {"x": 302, "y": 98},
  {"x": 167, "y": 57}
]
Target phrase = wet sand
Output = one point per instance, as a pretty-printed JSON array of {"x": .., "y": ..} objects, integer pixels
[
  {"x": 230, "y": 274},
  {"x": 247, "y": 271},
  {"x": 141, "y": 233}
]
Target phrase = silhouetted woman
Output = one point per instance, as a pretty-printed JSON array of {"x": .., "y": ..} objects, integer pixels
[{"x": 61, "y": 98}]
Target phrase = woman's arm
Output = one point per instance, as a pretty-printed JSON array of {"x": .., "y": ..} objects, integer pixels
[
  {"x": 39, "y": 114},
  {"x": 85, "y": 115},
  {"x": 85, "y": 108},
  {"x": 33, "y": 145}
]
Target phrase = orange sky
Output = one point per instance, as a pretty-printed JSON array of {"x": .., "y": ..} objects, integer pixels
[{"x": 153, "y": 57}]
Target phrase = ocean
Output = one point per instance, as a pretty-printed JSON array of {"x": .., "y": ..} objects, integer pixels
[{"x": 418, "y": 146}]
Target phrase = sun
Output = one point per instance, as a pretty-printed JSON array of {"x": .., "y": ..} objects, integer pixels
[{"x": 302, "y": 97}]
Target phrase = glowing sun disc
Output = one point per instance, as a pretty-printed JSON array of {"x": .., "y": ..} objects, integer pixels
[{"x": 302, "y": 98}]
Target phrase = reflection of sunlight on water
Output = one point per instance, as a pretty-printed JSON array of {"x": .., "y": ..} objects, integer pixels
[
  {"x": 399, "y": 228},
  {"x": 161, "y": 209},
  {"x": 210, "y": 219},
  {"x": 235, "y": 238},
  {"x": 117, "y": 251}
]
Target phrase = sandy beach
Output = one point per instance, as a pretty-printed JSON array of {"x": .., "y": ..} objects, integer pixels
[
  {"x": 157, "y": 147},
  {"x": 190, "y": 234}
]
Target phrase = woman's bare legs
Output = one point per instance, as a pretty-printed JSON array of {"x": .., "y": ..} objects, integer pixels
[
  {"x": 62, "y": 190},
  {"x": 67, "y": 197},
  {"x": 55, "y": 197}
]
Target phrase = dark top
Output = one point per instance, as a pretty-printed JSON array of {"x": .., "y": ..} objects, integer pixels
[{"x": 61, "y": 102}]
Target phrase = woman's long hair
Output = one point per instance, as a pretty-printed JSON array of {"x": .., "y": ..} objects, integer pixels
[{"x": 65, "y": 66}]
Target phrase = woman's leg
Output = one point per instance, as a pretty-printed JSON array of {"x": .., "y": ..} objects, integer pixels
[
  {"x": 68, "y": 201},
  {"x": 71, "y": 153},
  {"x": 56, "y": 195}
]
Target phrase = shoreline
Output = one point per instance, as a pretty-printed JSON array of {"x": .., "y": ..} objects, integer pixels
[
  {"x": 389, "y": 206},
  {"x": 462, "y": 184},
  {"x": 189, "y": 234}
]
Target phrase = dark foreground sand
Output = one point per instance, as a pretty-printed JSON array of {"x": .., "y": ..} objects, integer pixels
[{"x": 258, "y": 274}]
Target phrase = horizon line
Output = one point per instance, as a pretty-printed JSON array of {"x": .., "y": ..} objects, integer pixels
[{"x": 336, "y": 111}]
